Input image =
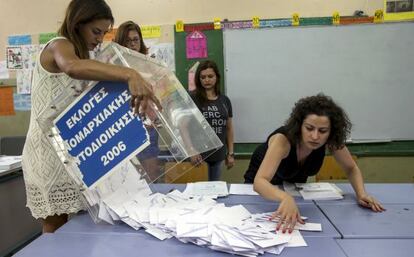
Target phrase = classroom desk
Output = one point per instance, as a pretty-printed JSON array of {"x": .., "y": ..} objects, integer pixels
[
  {"x": 16, "y": 222},
  {"x": 396, "y": 193},
  {"x": 143, "y": 244},
  {"x": 377, "y": 247},
  {"x": 354, "y": 221}
]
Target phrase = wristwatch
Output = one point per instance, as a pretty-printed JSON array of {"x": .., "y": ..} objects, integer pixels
[{"x": 230, "y": 154}]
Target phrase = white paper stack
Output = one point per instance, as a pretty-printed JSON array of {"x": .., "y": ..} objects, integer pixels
[
  {"x": 10, "y": 162},
  {"x": 212, "y": 189},
  {"x": 191, "y": 218},
  {"x": 242, "y": 189},
  {"x": 195, "y": 218},
  {"x": 319, "y": 191}
]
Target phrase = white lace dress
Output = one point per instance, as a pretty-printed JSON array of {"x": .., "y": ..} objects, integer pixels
[{"x": 49, "y": 188}]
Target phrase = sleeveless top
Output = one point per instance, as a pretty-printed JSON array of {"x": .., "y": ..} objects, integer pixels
[
  {"x": 49, "y": 188},
  {"x": 289, "y": 169}
]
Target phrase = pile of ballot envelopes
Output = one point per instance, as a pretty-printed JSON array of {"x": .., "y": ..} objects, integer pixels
[{"x": 191, "y": 218}]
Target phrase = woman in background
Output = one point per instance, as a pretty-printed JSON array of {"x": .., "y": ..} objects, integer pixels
[
  {"x": 51, "y": 193},
  {"x": 218, "y": 111},
  {"x": 129, "y": 35},
  {"x": 296, "y": 150}
]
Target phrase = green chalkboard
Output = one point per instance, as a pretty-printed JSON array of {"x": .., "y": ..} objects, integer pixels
[{"x": 214, "y": 49}]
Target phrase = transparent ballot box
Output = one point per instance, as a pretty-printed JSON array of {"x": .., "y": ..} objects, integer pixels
[{"x": 106, "y": 148}]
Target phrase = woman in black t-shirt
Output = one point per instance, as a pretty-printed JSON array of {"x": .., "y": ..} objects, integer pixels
[
  {"x": 296, "y": 151},
  {"x": 217, "y": 110}
]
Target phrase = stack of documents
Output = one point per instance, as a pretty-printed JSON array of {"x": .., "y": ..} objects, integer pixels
[
  {"x": 212, "y": 189},
  {"x": 195, "y": 219},
  {"x": 242, "y": 189},
  {"x": 319, "y": 191},
  {"x": 10, "y": 162}
]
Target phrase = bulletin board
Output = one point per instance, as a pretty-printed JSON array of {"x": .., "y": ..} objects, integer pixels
[{"x": 215, "y": 53}]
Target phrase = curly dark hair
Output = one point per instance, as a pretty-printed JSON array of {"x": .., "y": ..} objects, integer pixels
[{"x": 320, "y": 105}]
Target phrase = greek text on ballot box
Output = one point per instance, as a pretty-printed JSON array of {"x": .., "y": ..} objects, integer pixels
[{"x": 100, "y": 130}]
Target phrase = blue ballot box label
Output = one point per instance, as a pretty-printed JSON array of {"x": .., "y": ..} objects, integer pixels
[{"x": 100, "y": 130}]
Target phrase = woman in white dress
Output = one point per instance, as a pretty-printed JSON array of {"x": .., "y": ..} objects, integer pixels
[{"x": 51, "y": 193}]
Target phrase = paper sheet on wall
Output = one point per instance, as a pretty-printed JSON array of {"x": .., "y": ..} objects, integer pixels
[
  {"x": 191, "y": 76},
  {"x": 196, "y": 45},
  {"x": 45, "y": 37},
  {"x": 151, "y": 31},
  {"x": 19, "y": 40},
  {"x": 29, "y": 54},
  {"x": 164, "y": 52},
  {"x": 6, "y": 101},
  {"x": 22, "y": 102},
  {"x": 24, "y": 81},
  {"x": 4, "y": 73},
  {"x": 14, "y": 57}
]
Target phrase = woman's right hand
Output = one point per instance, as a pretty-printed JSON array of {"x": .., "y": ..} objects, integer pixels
[
  {"x": 288, "y": 214},
  {"x": 141, "y": 93},
  {"x": 196, "y": 160}
]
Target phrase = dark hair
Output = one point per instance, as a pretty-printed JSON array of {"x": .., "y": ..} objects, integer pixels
[
  {"x": 122, "y": 35},
  {"x": 200, "y": 92},
  {"x": 320, "y": 105},
  {"x": 81, "y": 12}
]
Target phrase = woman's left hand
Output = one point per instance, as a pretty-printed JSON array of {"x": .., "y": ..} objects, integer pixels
[
  {"x": 368, "y": 201},
  {"x": 229, "y": 161}
]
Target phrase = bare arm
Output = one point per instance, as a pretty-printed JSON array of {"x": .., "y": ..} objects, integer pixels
[
  {"x": 278, "y": 149},
  {"x": 60, "y": 55},
  {"x": 344, "y": 159},
  {"x": 230, "y": 143},
  {"x": 288, "y": 212}
]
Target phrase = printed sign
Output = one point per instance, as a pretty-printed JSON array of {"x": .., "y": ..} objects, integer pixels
[
  {"x": 295, "y": 19},
  {"x": 196, "y": 45},
  {"x": 256, "y": 22},
  {"x": 179, "y": 26},
  {"x": 336, "y": 19},
  {"x": 101, "y": 130},
  {"x": 217, "y": 23}
]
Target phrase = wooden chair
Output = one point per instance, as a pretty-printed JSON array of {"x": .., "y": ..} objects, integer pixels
[
  {"x": 331, "y": 170},
  {"x": 185, "y": 172}
]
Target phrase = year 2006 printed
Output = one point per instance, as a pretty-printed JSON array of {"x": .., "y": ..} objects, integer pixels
[{"x": 112, "y": 153}]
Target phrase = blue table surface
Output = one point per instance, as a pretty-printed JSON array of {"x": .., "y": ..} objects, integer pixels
[
  {"x": 377, "y": 247},
  {"x": 143, "y": 244},
  {"x": 365, "y": 233},
  {"x": 354, "y": 221},
  {"x": 400, "y": 193}
]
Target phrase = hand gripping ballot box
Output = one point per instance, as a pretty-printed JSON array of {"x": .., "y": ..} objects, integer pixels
[{"x": 104, "y": 146}]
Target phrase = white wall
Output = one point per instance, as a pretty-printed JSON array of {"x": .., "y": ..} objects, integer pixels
[{"x": 38, "y": 16}]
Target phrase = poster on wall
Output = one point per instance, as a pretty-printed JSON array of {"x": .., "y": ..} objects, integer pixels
[
  {"x": 196, "y": 45},
  {"x": 163, "y": 52},
  {"x": 14, "y": 57},
  {"x": 24, "y": 81},
  {"x": 4, "y": 73},
  {"x": 397, "y": 10},
  {"x": 6, "y": 101},
  {"x": 29, "y": 54},
  {"x": 22, "y": 102}
]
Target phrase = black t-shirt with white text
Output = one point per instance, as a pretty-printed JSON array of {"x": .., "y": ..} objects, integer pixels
[{"x": 216, "y": 112}]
